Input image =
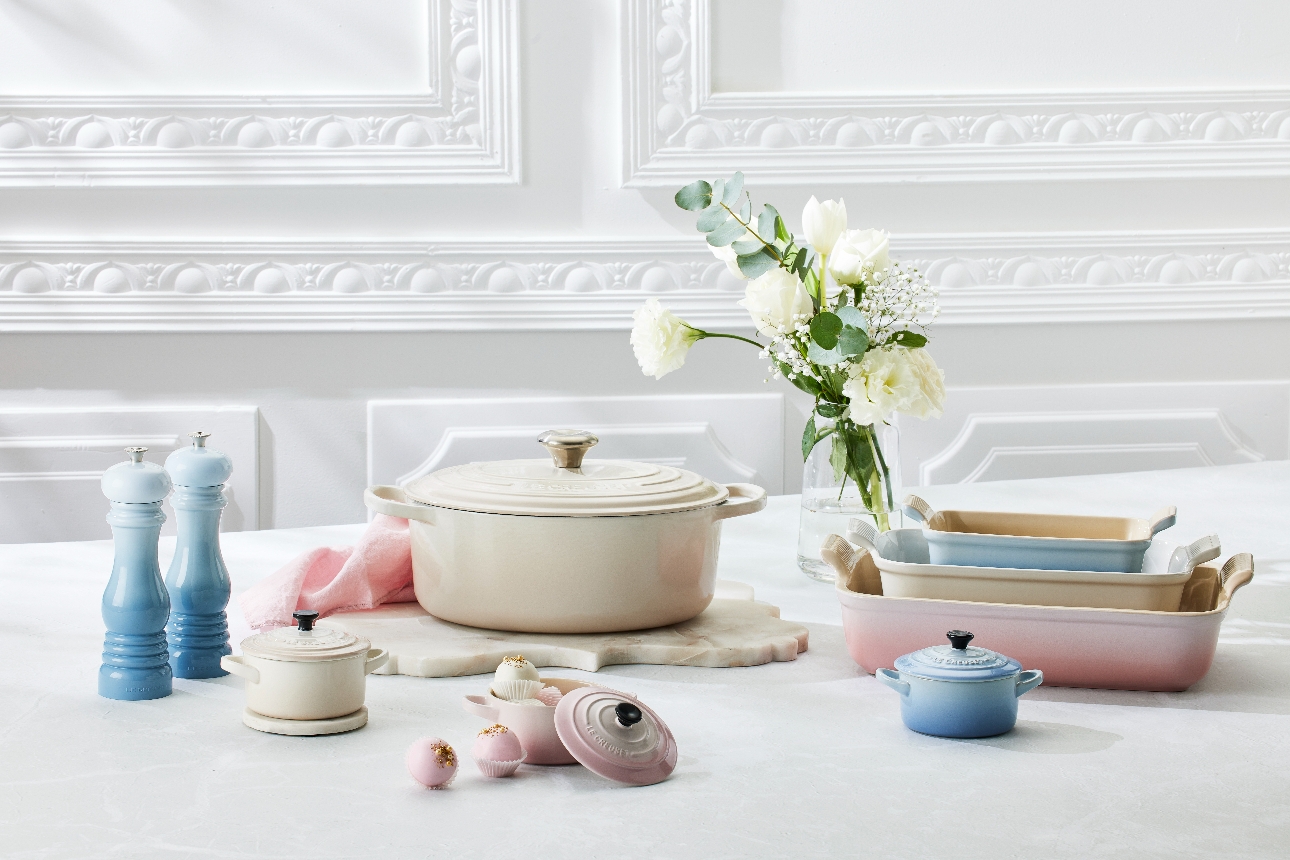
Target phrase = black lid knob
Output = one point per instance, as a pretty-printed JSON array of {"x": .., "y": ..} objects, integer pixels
[
  {"x": 959, "y": 639},
  {"x": 628, "y": 714},
  {"x": 305, "y": 619}
]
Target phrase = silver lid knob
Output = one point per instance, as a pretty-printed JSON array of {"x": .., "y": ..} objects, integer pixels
[
  {"x": 199, "y": 438},
  {"x": 568, "y": 447},
  {"x": 136, "y": 453}
]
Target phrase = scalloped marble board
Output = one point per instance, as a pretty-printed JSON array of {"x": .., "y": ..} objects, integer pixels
[{"x": 730, "y": 632}]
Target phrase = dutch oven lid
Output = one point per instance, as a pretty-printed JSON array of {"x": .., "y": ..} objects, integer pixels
[
  {"x": 957, "y": 661},
  {"x": 565, "y": 486},
  {"x": 303, "y": 643},
  {"x": 615, "y": 735}
]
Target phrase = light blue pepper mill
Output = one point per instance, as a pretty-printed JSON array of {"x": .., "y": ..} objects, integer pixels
[
  {"x": 135, "y": 603},
  {"x": 198, "y": 580}
]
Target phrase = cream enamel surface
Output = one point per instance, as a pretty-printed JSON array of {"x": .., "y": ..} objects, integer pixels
[{"x": 806, "y": 759}]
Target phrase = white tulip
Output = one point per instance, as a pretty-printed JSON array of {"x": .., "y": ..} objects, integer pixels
[
  {"x": 823, "y": 223},
  {"x": 777, "y": 302},
  {"x": 660, "y": 339},
  {"x": 858, "y": 252},
  {"x": 894, "y": 379}
]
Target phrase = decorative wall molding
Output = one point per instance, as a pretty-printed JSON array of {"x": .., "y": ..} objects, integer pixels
[
  {"x": 677, "y": 129},
  {"x": 991, "y": 434},
  {"x": 51, "y": 460},
  {"x": 728, "y": 438},
  {"x": 465, "y": 132},
  {"x": 595, "y": 284}
]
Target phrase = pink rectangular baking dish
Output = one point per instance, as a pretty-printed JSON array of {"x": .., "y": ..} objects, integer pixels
[{"x": 1112, "y": 649}]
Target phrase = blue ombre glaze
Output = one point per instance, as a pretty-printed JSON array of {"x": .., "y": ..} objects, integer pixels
[
  {"x": 959, "y": 692},
  {"x": 198, "y": 579},
  {"x": 136, "y": 662}
]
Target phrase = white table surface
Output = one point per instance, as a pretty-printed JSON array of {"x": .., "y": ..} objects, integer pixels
[{"x": 803, "y": 759}]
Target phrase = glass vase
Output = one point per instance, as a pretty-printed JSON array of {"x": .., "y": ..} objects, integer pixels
[{"x": 831, "y": 497}]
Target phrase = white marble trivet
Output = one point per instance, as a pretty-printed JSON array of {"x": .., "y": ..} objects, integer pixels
[{"x": 727, "y": 633}]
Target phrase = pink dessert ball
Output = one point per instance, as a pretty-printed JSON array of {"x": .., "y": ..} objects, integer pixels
[
  {"x": 432, "y": 762},
  {"x": 550, "y": 696},
  {"x": 497, "y": 743}
]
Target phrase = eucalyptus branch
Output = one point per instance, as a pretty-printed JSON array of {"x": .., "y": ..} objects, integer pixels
[{"x": 747, "y": 225}]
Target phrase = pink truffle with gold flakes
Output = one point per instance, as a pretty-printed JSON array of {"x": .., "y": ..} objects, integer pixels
[
  {"x": 432, "y": 762},
  {"x": 497, "y": 751}
]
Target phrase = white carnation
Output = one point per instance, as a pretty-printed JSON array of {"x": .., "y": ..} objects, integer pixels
[
  {"x": 894, "y": 379},
  {"x": 777, "y": 302},
  {"x": 858, "y": 252},
  {"x": 660, "y": 339}
]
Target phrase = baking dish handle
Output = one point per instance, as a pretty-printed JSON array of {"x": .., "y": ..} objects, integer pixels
[
  {"x": 892, "y": 679},
  {"x": 863, "y": 534},
  {"x": 1238, "y": 571},
  {"x": 744, "y": 499},
  {"x": 1163, "y": 519},
  {"x": 234, "y": 666},
  {"x": 477, "y": 706},
  {"x": 392, "y": 501},
  {"x": 917, "y": 509},
  {"x": 1028, "y": 680}
]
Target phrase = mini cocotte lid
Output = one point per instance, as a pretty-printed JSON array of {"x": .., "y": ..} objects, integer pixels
[
  {"x": 614, "y": 735},
  {"x": 303, "y": 643},
  {"x": 197, "y": 465},
  {"x": 957, "y": 661},
  {"x": 565, "y": 486}
]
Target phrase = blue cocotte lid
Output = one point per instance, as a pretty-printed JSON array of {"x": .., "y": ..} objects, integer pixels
[
  {"x": 136, "y": 481},
  {"x": 957, "y": 662},
  {"x": 199, "y": 466}
]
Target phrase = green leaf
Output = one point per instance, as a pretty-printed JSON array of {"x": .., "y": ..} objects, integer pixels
[
  {"x": 913, "y": 340},
  {"x": 747, "y": 246},
  {"x": 838, "y": 457},
  {"x": 853, "y": 341},
  {"x": 781, "y": 230},
  {"x": 853, "y": 317},
  {"x": 825, "y": 328},
  {"x": 766, "y": 222},
  {"x": 808, "y": 437},
  {"x": 734, "y": 187},
  {"x": 695, "y": 196},
  {"x": 753, "y": 265},
  {"x": 828, "y": 410},
  {"x": 711, "y": 218},
  {"x": 745, "y": 211},
  {"x": 812, "y": 283},
  {"x": 726, "y": 233},
  {"x": 818, "y": 355},
  {"x": 718, "y": 189}
]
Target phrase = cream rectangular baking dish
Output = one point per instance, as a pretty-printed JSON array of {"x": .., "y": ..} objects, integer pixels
[{"x": 902, "y": 557}]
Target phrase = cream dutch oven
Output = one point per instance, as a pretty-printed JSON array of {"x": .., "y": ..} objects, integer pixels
[
  {"x": 299, "y": 673},
  {"x": 563, "y": 545}
]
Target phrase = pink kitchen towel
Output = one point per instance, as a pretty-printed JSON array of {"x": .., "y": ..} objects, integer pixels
[{"x": 338, "y": 578}]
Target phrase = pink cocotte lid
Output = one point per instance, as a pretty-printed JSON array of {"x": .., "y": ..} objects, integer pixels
[{"x": 614, "y": 735}]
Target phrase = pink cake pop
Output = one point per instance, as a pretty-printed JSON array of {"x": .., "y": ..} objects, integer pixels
[
  {"x": 432, "y": 762},
  {"x": 497, "y": 751},
  {"x": 549, "y": 696}
]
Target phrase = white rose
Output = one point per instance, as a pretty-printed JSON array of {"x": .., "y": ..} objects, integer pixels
[
  {"x": 777, "y": 302},
  {"x": 727, "y": 255},
  {"x": 660, "y": 340},
  {"x": 930, "y": 401},
  {"x": 857, "y": 252},
  {"x": 895, "y": 379},
  {"x": 823, "y": 223}
]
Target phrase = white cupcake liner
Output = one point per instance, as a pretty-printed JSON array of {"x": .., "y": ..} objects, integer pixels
[
  {"x": 498, "y": 769},
  {"x": 513, "y": 691},
  {"x": 445, "y": 783}
]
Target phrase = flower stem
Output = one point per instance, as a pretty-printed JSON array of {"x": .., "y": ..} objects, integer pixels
[{"x": 703, "y": 334}]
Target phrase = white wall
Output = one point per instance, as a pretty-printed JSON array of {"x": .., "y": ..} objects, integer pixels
[{"x": 298, "y": 211}]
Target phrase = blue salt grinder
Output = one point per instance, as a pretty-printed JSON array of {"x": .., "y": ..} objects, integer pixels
[
  {"x": 135, "y": 603},
  {"x": 198, "y": 580}
]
